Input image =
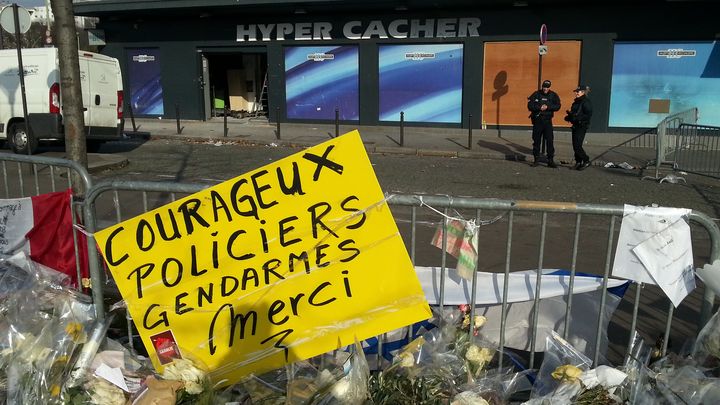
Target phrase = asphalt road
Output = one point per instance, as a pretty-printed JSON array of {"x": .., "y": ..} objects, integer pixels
[{"x": 210, "y": 163}]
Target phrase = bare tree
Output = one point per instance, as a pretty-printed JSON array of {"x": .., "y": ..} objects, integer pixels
[
  {"x": 34, "y": 38},
  {"x": 73, "y": 120}
]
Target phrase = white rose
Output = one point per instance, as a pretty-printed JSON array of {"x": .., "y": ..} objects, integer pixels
[
  {"x": 479, "y": 321},
  {"x": 478, "y": 355},
  {"x": 184, "y": 370},
  {"x": 340, "y": 389},
  {"x": 104, "y": 393},
  {"x": 469, "y": 398}
]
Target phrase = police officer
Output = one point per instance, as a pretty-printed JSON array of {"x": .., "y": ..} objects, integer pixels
[
  {"x": 542, "y": 104},
  {"x": 579, "y": 116}
]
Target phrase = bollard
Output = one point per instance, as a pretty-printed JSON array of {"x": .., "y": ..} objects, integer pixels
[
  {"x": 277, "y": 115},
  {"x": 177, "y": 118},
  {"x": 470, "y": 132},
  {"x": 402, "y": 128},
  {"x": 132, "y": 117},
  {"x": 225, "y": 129},
  {"x": 337, "y": 123},
  {"x": 212, "y": 101}
]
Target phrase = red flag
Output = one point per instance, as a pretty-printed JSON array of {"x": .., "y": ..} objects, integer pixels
[{"x": 51, "y": 236}]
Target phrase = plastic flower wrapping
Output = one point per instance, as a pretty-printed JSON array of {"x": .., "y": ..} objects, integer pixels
[
  {"x": 54, "y": 351},
  {"x": 42, "y": 331}
]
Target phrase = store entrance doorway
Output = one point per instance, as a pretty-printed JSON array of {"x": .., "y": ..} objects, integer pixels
[{"x": 234, "y": 83}]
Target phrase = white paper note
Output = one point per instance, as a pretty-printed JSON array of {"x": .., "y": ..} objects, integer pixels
[
  {"x": 668, "y": 257},
  {"x": 638, "y": 224},
  {"x": 112, "y": 375}
]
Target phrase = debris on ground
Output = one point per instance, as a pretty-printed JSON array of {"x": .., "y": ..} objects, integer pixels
[
  {"x": 623, "y": 165},
  {"x": 673, "y": 179}
]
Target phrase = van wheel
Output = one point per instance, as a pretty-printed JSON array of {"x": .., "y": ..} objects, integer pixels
[{"x": 21, "y": 141}]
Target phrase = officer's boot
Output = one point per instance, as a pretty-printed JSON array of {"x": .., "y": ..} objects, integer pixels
[{"x": 551, "y": 164}]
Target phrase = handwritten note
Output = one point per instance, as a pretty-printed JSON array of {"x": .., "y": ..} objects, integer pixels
[
  {"x": 639, "y": 224},
  {"x": 286, "y": 262},
  {"x": 667, "y": 257},
  {"x": 16, "y": 220}
]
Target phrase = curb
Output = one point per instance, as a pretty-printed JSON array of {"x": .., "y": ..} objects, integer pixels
[
  {"x": 395, "y": 150},
  {"x": 370, "y": 147},
  {"x": 102, "y": 164}
]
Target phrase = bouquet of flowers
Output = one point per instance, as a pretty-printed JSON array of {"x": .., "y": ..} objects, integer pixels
[
  {"x": 677, "y": 378},
  {"x": 184, "y": 381},
  {"x": 566, "y": 376},
  {"x": 450, "y": 364},
  {"x": 339, "y": 377},
  {"x": 41, "y": 333}
]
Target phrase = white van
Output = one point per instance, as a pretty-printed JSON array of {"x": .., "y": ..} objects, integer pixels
[{"x": 102, "y": 95}]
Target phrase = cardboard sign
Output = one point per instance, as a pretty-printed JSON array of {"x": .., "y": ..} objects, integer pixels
[{"x": 286, "y": 262}]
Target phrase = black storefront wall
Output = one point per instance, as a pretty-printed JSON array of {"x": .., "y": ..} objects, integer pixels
[{"x": 180, "y": 40}]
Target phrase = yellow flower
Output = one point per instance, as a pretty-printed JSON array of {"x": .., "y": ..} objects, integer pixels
[
  {"x": 406, "y": 359},
  {"x": 55, "y": 390},
  {"x": 567, "y": 373},
  {"x": 479, "y": 321},
  {"x": 479, "y": 356},
  {"x": 76, "y": 332}
]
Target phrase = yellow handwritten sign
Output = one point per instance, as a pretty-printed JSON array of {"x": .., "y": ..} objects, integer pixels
[{"x": 286, "y": 262}]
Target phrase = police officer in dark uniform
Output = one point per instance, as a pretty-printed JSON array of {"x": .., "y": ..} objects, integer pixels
[
  {"x": 542, "y": 105},
  {"x": 579, "y": 116}
]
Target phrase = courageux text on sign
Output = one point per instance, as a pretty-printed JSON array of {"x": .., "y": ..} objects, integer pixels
[{"x": 286, "y": 262}]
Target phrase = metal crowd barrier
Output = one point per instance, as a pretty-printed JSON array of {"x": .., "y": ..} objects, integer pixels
[
  {"x": 26, "y": 176},
  {"x": 697, "y": 149},
  {"x": 668, "y": 141},
  {"x": 511, "y": 215},
  {"x": 563, "y": 235}
]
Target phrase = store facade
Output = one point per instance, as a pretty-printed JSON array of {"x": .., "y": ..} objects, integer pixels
[{"x": 458, "y": 64}]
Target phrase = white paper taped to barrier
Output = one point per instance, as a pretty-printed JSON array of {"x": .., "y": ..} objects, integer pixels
[
  {"x": 667, "y": 257},
  {"x": 639, "y": 224}
]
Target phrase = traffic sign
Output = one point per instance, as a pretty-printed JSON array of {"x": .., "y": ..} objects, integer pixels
[
  {"x": 7, "y": 19},
  {"x": 543, "y": 34}
]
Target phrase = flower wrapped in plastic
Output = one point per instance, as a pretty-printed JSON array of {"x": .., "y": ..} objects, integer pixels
[
  {"x": 95, "y": 391},
  {"x": 566, "y": 376},
  {"x": 42, "y": 334},
  {"x": 351, "y": 388},
  {"x": 338, "y": 377},
  {"x": 496, "y": 387},
  {"x": 676, "y": 383},
  {"x": 404, "y": 381},
  {"x": 183, "y": 381},
  {"x": 706, "y": 350},
  {"x": 435, "y": 366}
]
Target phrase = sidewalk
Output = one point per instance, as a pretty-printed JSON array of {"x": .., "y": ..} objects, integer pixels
[{"x": 421, "y": 141}]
